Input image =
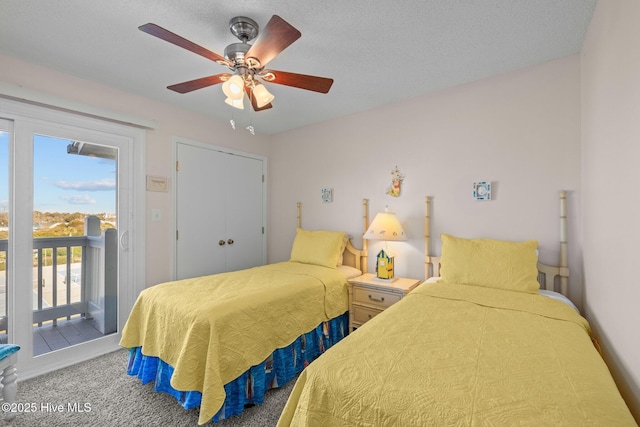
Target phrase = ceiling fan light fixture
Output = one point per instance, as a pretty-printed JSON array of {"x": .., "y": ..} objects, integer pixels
[
  {"x": 236, "y": 103},
  {"x": 246, "y": 61},
  {"x": 262, "y": 95},
  {"x": 234, "y": 87}
]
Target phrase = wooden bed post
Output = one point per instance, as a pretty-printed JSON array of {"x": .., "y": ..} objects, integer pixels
[
  {"x": 564, "y": 262},
  {"x": 431, "y": 263},
  {"x": 427, "y": 238},
  {"x": 365, "y": 224}
]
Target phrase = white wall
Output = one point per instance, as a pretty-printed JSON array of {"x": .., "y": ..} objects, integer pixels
[
  {"x": 611, "y": 206},
  {"x": 170, "y": 122},
  {"x": 521, "y": 131}
]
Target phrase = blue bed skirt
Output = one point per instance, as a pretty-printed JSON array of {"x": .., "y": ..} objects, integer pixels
[{"x": 249, "y": 388}]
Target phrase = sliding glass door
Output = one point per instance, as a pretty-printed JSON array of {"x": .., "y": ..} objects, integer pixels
[
  {"x": 5, "y": 133},
  {"x": 68, "y": 275}
]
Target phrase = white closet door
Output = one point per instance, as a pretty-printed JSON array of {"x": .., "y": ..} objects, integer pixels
[
  {"x": 219, "y": 211},
  {"x": 244, "y": 213},
  {"x": 200, "y": 212}
]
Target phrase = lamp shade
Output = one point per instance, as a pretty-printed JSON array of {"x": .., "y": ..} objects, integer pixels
[
  {"x": 234, "y": 87},
  {"x": 237, "y": 103},
  {"x": 262, "y": 95},
  {"x": 385, "y": 226}
]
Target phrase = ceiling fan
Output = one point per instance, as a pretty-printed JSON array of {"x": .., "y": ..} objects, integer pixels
[{"x": 246, "y": 62}]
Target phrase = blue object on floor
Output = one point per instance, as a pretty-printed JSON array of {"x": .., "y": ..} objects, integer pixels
[
  {"x": 7, "y": 350},
  {"x": 8, "y": 376}
]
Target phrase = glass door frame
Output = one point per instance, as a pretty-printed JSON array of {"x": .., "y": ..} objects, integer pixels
[{"x": 31, "y": 119}]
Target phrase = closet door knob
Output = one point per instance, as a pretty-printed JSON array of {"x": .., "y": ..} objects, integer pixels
[
  {"x": 221, "y": 242},
  {"x": 230, "y": 241}
]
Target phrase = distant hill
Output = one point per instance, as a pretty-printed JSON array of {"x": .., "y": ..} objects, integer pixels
[{"x": 53, "y": 224}]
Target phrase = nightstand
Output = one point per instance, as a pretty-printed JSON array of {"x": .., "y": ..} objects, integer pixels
[{"x": 369, "y": 296}]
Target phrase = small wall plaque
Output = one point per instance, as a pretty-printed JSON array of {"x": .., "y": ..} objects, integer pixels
[
  {"x": 157, "y": 183},
  {"x": 482, "y": 190},
  {"x": 327, "y": 195}
]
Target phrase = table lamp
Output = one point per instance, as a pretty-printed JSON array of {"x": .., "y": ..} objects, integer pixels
[{"x": 385, "y": 227}]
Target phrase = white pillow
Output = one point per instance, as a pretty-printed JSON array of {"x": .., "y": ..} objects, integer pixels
[{"x": 559, "y": 297}]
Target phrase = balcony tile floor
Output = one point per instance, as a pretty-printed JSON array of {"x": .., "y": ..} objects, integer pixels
[{"x": 48, "y": 338}]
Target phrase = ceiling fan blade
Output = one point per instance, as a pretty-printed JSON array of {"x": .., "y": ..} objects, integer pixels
[
  {"x": 275, "y": 37},
  {"x": 301, "y": 81},
  {"x": 170, "y": 37},
  {"x": 254, "y": 103},
  {"x": 200, "y": 83}
]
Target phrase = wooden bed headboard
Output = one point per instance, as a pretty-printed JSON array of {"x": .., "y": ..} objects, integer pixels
[
  {"x": 546, "y": 274},
  {"x": 352, "y": 256}
]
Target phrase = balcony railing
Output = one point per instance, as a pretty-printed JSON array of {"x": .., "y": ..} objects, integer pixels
[{"x": 72, "y": 276}]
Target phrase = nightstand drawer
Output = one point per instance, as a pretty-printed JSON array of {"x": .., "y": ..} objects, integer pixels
[
  {"x": 369, "y": 296},
  {"x": 363, "y": 314},
  {"x": 374, "y": 297}
]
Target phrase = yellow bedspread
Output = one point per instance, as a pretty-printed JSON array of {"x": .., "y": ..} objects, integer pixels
[
  {"x": 213, "y": 328},
  {"x": 456, "y": 355}
]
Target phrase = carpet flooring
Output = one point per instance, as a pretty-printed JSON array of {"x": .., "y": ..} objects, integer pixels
[{"x": 99, "y": 393}]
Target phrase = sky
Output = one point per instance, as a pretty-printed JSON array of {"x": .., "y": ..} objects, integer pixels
[{"x": 63, "y": 182}]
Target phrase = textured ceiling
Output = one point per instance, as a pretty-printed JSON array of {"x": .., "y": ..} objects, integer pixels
[{"x": 377, "y": 52}]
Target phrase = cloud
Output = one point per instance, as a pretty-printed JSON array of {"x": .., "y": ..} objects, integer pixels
[
  {"x": 100, "y": 185},
  {"x": 79, "y": 199}
]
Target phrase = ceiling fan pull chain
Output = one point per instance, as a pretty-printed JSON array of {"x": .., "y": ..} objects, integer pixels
[{"x": 250, "y": 128}]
